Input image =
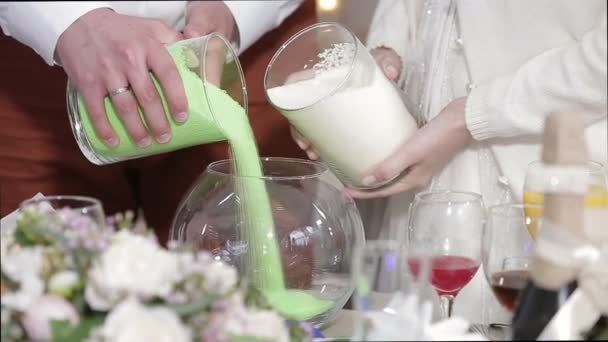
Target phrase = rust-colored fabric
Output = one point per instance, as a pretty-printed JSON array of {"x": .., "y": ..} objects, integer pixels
[{"x": 39, "y": 154}]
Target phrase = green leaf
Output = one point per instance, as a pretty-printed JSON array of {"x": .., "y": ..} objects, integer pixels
[
  {"x": 31, "y": 230},
  {"x": 244, "y": 338},
  {"x": 192, "y": 308},
  {"x": 61, "y": 329},
  {"x": 78, "y": 300},
  {"x": 256, "y": 298},
  {"x": 65, "y": 331},
  {"x": 8, "y": 282}
]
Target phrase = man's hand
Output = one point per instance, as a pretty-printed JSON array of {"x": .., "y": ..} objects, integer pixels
[{"x": 104, "y": 51}]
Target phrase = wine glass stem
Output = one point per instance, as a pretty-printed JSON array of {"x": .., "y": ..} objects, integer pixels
[{"x": 446, "y": 302}]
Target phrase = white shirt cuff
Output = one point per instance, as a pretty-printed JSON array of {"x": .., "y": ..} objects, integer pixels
[
  {"x": 254, "y": 18},
  {"x": 39, "y": 24}
]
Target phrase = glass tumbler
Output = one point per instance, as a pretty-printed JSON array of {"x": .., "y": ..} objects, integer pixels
[
  {"x": 211, "y": 73},
  {"x": 326, "y": 83}
]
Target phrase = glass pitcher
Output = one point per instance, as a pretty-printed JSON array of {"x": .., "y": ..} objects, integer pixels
[{"x": 200, "y": 60}]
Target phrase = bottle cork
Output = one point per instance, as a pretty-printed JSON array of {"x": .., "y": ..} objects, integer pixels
[{"x": 563, "y": 146}]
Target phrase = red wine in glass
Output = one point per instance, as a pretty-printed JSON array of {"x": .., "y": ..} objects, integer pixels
[
  {"x": 507, "y": 285},
  {"x": 449, "y": 273}
]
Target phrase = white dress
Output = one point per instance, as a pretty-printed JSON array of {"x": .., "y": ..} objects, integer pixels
[{"x": 440, "y": 42}]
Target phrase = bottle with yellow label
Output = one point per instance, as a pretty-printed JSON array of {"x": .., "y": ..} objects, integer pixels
[{"x": 596, "y": 198}]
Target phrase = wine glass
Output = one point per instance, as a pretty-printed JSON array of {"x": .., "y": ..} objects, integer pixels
[
  {"x": 87, "y": 208},
  {"x": 449, "y": 225},
  {"x": 536, "y": 176},
  {"x": 507, "y": 251},
  {"x": 390, "y": 299}
]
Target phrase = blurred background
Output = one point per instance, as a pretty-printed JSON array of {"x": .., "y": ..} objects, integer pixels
[{"x": 354, "y": 14}]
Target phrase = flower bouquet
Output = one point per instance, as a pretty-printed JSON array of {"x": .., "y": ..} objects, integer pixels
[{"x": 66, "y": 276}]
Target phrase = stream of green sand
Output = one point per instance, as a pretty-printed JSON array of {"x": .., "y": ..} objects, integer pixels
[{"x": 232, "y": 124}]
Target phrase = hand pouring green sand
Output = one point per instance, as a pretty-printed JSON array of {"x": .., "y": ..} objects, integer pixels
[{"x": 231, "y": 123}]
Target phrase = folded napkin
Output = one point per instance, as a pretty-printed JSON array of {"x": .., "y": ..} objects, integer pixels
[{"x": 406, "y": 318}]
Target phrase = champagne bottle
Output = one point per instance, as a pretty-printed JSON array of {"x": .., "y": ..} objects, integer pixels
[{"x": 550, "y": 283}]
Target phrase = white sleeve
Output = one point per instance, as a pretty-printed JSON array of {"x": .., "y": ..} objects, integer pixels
[
  {"x": 572, "y": 78},
  {"x": 39, "y": 24},
  {"x": 389, "y": 26},
  {"x": 254, "y": 18}
]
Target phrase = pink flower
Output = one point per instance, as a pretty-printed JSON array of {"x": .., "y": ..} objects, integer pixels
[{"x": 36, "y": 319}]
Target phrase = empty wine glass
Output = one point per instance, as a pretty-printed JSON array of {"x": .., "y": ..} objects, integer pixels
[
  {"x": 449, "y": 225},
  {"x": 507, "y": 251},
  {"x": 537, "y": 174},
  {"x": 87, "y": 208},
  {"x": 390, "y": 300}
]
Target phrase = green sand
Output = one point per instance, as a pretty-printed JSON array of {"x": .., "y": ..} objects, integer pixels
[
  {"x": 264, "y": 253},
  {"x": 232, "y": 125},
  {"x": 200, "y": 128}
]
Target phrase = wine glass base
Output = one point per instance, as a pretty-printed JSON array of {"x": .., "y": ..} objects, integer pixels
[{"x": 493, "y": 331}]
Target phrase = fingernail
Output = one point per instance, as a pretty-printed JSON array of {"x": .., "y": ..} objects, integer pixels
[
  {"x": 163, "y": 138},
  {"x": 369, "y": 180},
  {"x": 313, "y": 155},
  {"x": 144, "y": 142},
  {"x": 113, "y": 141},
  {"x": 181, "y": 117},
  {"x": 301, "y": 144},
  {"x": 391, "y": 71}
]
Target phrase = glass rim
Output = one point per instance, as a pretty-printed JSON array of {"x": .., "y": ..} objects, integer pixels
[
  {"x": 320, "y": 167},
  {"x": 594, "y": 166},
  {"x": 472, "y": 196},
  {"x": 303, "y": 31},
  {"x": 203, "y": 69},
  {"x": 500, "y": 209},
  {"x": 91, "y": 202},
  {"x": 393, "y": 244}
]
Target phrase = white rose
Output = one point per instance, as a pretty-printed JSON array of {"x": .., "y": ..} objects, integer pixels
[
  {"x": 131, "y": 321},
  {"x": 219, "y": 276},
  {"x": 18, "y": 262},
  {"x": 36, "y": 319},
  {"x": 239, "y": 321},
  {"x": 6, "y": 240},
  {"x": 63, "y": 282},
  {"x": 23, "y": 265},
  {"x": 132, "y": 265}
]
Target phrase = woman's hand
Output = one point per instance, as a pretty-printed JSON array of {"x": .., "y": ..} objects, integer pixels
[
  {"x": 104, "y": 51},
  {"x": 389, "y": 62},
  {"x": 423, "y": 155}
]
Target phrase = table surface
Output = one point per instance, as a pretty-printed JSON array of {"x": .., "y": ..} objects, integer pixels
[{"x": 342, "y": 325}]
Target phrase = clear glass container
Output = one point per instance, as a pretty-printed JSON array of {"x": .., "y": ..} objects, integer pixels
[
  {"x": 86, "y": 207},
  {"x": 329, "y": 87},
  {"x": 316, "y": 228},
  {"x": 203, "y": 63},
  {"x": 507, "y": 250},
  {"x": 393, "y": 297},
  {"x": 596, "y": 199}
]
